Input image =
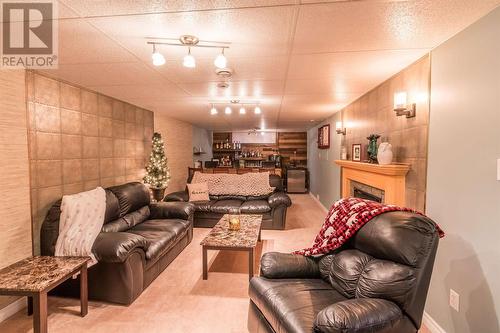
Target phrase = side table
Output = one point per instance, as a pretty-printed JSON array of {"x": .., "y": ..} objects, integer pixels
[{"x": 34, "y": 277}]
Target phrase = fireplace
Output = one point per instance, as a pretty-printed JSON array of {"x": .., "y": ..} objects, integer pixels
[
  {"x": 364, "y": 191},
  {"x": 382, "y": 183}
]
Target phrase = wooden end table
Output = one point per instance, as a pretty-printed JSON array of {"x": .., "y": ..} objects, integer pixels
[
  {"x": 34, "y": 277},
  {"x": 245, "y": 239}
]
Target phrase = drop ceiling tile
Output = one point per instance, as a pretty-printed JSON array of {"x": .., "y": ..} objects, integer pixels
[
  {"x": 341, "y": 88},
  {"x": 375, "y": 25},
  {"x": 81, "y": 43},
  {"x": 123, "y": 7},
  {"x": 242, "y": 89},
  {"x": 344, "y": 67}
]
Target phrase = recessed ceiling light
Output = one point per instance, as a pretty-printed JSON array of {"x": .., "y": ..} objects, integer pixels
[
  {"x": 228, "y": 110},
  {"x": 257, "y": 110},
  {"x": 242, "y": 110}
]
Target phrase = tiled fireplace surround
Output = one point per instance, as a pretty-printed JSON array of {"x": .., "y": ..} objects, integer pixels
[
  {"x": 373, "y": 113},
  {"x": 78, "y": 140}
]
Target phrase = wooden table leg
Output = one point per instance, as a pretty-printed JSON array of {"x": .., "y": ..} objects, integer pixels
[
  {"x": 30, "y": 305},
  {"x": 250, "y": 263},
  {"x": 260, "y": 238},
  {"x": 40, "y": 313},
  {"x": 84, "y": 295},
  {"x": 205, "y": 264}
]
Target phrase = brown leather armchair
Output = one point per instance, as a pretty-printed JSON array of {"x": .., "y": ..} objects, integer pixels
[
  {"x": 377, "y": 282},
  {"x": 138, "y": 240}
]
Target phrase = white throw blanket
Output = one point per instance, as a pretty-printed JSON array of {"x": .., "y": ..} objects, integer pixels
[
  {"x": 82, "y": 217},
  {"x": 250, "y": 184}
]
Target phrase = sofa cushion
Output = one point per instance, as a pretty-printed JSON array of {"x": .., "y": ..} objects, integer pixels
[
  {"x": 158, "y": 237},
  {"x": 203, "y": 206},
  {"x": 178, "y": 226},
  {"x": 131, "y": 196},
  {"x": 255, "y": 207},
  {"x": 226, "y": 206},
  {"x": 291, "y": 305},
  {"x": 129, "y": 220}
]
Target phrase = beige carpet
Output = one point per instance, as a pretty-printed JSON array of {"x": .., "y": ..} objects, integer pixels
[{"x": 179, "y": 300}]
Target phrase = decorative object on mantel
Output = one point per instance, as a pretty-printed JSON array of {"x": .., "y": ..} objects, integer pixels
[
  {"x": 372, "y": 147},
  {"x": 157, "y": 172},
  {"x": 198, "y": 151},
  {"x": 356, "y": 152},
  {"x": 324, "y": 137},
  {"x": 343, "y": 153},
  {"x": 384, "y": 155}
]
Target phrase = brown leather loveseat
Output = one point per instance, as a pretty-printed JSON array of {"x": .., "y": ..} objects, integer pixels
[{"x": 139, "y": 239}]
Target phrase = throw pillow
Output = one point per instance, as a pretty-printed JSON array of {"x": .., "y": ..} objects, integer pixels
[{"x": 198, "y": 192}]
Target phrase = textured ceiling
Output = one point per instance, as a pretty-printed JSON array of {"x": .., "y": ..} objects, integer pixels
[{"x": 302, "y": 60}]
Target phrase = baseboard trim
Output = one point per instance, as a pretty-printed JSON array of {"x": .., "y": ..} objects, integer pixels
[
  {"x": 319, "y": 202},
  {"x": 431, "y": 324},
  {"x": 12, "y": 308}
]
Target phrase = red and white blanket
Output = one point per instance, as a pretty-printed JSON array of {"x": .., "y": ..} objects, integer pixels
[{"x": 345, "y": 217}]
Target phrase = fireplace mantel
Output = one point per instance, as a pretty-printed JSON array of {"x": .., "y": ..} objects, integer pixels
[{"x": 389, "y": 178}]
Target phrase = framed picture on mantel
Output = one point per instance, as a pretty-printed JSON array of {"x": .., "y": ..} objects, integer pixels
[
  {"x": 324, "y": 137},
  {"x": 356, "y": 152}
]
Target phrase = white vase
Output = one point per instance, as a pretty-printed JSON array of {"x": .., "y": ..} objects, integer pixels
[{"x": 384, "y": 155}]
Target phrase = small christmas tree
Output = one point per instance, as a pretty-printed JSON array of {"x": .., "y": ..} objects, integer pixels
[{"x": 157, "y": 173}]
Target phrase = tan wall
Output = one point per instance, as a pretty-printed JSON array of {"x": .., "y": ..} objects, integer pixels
[
  {"x": 15, "y": 224},
  {"x": 178, "y": 138},
  {"x": 79, "y": 140},
  {"x": 373, "y": 113}
]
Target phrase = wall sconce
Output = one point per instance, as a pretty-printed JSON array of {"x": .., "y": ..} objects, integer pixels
[
  {"x": 339, "y": 128},
  {"x": 402, "y": 108}
]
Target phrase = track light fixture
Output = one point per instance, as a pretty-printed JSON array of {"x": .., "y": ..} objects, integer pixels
[
  {"x": 158, "y": 58},
  {"x": 220, "y": 61},
  {"x": 243, "y": 106},
  {"x": 189, "y": 61},
  {"x": 188, "y": 41},
  {"x": 213, "y": 111}
]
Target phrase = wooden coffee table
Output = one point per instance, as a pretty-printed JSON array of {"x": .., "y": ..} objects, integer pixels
[
  {"x": 36, "y": 276},
  {"x": 245, "y": 239}
]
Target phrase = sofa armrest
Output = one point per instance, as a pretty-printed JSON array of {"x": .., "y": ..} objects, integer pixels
[
  {"x": 358, "y": 315},
  {"x": 279, "y": 198},
  {"x": 171, "y": 210},
  {"x": 115, "y": 247},
  {"x": 177, "y": 196},
  {"x": 275, "y": 265}
]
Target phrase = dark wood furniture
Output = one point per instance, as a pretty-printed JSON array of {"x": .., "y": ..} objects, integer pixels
[
  {"x": 34, "y": 277},
  {"x": 245, "y": 239}
]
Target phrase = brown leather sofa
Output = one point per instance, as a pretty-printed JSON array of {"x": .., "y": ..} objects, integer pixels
[
  {"x": 139, "y": 239},
  {"x": 272, "y": 207},
  {"x": 377, "y": 282}
]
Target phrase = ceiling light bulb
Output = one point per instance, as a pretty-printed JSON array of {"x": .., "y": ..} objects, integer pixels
[
  {"x": 262, "y": 133},
  {"x": 189, "y": 61},
  {"x": 220, "y": 61},
  {"x": 213, "y": 110},
  {"x": 158, "y": 58},
  {"x": 228, "y": 110},
  {"x": 257, "y": 110},
  {"x": 242, "y": 110}
]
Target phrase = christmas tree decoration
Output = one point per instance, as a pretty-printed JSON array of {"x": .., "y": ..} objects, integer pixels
[{"x": 157, "y": 172}]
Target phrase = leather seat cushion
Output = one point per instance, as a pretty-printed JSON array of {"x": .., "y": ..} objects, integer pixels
[
  {"x": 203, "y": 206},
  {"x": 160, "y": 235},
  {"x": 255, "y": 207},
  {"x": 226, "y": 206},
  {"x": 291, "y": 305}
]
